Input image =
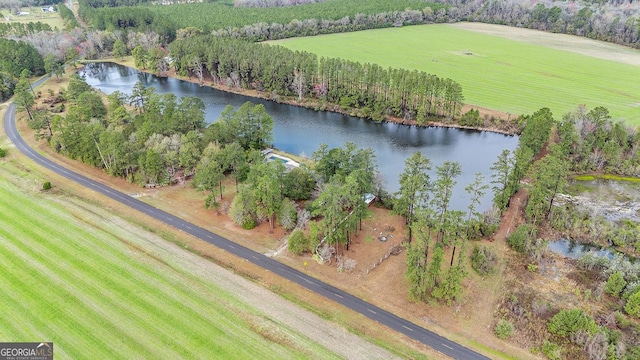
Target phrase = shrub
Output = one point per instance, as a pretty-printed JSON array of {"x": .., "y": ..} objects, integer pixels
[
  {"x": 633, "y": 305},
  {"x": 471, "y": 118},
  {"x": 615, "y": 284},
  {"x": 298, "y": 243},
  {"x": 3, "y": 152},
  {"x": 551, "y": 350},
  {"x": 249, "y": 224},
  {"x": 483, "y": 260},
  {"x": 630, "y": 289},
  {"x": 210, "y": 202},
  {"x": 288, "y": 216},
  {"x": 242, "y": 210},
  {"x": 521, "y": 239},
  {"x": 504, "y": 329},
  {"x": 568, "y": 322},
  {"x": 46, "y": 185}
]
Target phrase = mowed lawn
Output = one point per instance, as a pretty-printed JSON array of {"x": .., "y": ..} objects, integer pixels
[
  {"x": 495, "y": 72},
  {"x": 95, "y": 294}
]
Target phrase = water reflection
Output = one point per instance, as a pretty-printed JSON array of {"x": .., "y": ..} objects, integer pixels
[{"x": 575, "y": 250}]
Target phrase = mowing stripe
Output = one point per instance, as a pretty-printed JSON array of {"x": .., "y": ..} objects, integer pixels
[
  {"x": 93, "y": 275},
  {"x": 70, "y": 264}
]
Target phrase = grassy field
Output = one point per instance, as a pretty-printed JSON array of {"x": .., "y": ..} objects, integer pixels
[
  {"x": 497, "y": 73},
  {"x": 86, "y": 283},
  {"x": 35, "y": 14}
]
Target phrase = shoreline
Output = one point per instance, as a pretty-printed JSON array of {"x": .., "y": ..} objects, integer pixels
[{"x": 314, "y": 105}]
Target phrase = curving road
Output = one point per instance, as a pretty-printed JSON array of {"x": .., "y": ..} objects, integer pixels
[{"x": 373, "y": 312}]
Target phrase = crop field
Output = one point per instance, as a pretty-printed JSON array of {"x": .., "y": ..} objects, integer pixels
[
  {"x": 87, "y": 284},
  {"x": 513, "y": 76}
]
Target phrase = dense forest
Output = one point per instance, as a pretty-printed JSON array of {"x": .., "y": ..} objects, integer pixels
[
  {"x": 22, "y": 29},
  {"x": 218, "y": 15},
  {"x": 610, "y": 21},
  {"x": 272, "y": 3}
]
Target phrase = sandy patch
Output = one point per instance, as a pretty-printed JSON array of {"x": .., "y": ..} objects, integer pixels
[{"x": 576, "y": 44}]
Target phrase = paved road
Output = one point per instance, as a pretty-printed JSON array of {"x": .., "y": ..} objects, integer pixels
[{"x": 373, "y": 312}]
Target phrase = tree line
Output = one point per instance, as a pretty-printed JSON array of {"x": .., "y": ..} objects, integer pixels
[
  {"x": 368, "y": 90},
  {"x": 68, "y": 17},
  {"x": 272, "y": 3},
  {"x": 601, "y": 20},
  {"x": 19, "y": 29}
]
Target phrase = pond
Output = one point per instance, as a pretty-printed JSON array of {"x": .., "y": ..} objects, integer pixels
[
  {"x": 575, "y": 250},
  {"x": 300, "y": 131}
]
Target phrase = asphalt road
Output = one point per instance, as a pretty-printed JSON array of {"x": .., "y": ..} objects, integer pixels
[{"x": 373, "y": 312}]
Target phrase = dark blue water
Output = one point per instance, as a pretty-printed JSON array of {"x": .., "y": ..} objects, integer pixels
[{"x": 300, "y": 131}]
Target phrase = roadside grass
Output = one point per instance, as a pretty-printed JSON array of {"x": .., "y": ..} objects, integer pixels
[
  {"x": 496, "y": 73},
  {"x": 88, "y": 286},
  {"x": 35, "y": 14},
  {"x": 606, "y": 177}
]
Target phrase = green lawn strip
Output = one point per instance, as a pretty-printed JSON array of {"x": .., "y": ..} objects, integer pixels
[
  {"x": 170, "y": 319},
  {"x": 63, "y": 261},
  {"x": 498, "y": 73},
  {"x": 178, "y": 326},
  {"x": 44, "y": 311},
  {"x": 75, "y": 294},
  {"x": 12, "y": 323}
]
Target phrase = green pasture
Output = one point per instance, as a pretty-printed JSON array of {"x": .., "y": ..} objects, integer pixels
[
  {"x": 496, "y": 73},
  {"x": 88, "y": 285},
  {"x": 35, "y": 14}
]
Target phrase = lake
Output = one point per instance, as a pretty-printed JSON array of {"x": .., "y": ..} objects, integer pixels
[{"x": 300, "y": 131}]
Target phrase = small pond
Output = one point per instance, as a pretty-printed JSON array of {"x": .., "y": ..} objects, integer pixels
[{"x": 575, "y": 250}]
